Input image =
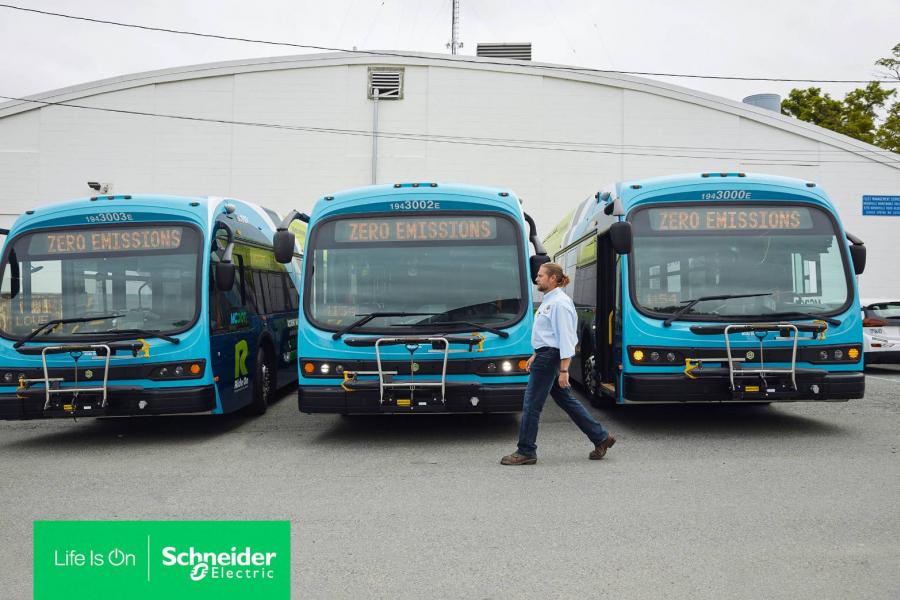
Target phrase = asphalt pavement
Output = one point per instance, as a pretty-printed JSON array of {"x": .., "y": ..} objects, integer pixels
[{"x": 783, "y": 501}]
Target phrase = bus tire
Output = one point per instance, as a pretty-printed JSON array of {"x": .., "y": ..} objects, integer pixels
[
  {"x": 589, "y": 375},
  {"x": 263, "y": 383}
]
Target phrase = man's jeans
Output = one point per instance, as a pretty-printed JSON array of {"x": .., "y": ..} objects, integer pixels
[{"x": 543, "y": 380}]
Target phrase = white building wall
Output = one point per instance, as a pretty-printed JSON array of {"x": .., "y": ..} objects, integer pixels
[{"x": 612, "y": 128}]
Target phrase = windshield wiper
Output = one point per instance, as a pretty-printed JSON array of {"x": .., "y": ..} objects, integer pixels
[
  {"x": 804, "y": 315},
  {"x": 135, "y": 332},
  {"x": 56, "y": 322},
  {"x": 690, "y": 304},
  {"x": 476, "y": 326},
  {"x": 369, "y": 316}
]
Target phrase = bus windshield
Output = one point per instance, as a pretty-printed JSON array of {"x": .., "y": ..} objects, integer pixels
[
  {"x": 445, "y": 268},
  {"x": 145, "y": 276},
  {"x": 788, "y": 256}
]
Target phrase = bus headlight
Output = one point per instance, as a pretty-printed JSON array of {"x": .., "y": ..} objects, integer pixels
[
  {"x": 513, "y": 365},
  {"x": 8, "y": 377},
  {"x": 842, "y": 354},
  {"x": 185, "y": 370},
  {"x": 321, "y": 368},
  {"x": 658, "y": 356}
]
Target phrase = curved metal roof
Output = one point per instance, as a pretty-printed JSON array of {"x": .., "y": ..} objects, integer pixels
[{"x": 404, "y": 58}]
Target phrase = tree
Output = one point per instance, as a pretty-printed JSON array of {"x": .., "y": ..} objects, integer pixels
[
  {"x": 857, "y": 115},
  {"x": 891, "y": 64},
  {"x": 888, "y": 136}
]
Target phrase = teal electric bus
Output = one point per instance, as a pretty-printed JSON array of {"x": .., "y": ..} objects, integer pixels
[
  {"x": 144, "y": 305},
  {"x": 713, "y": 287},
  {"x": 416, "y": 297}
]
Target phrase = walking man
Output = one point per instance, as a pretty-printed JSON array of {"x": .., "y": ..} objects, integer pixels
[{"x": 553, "y": 339}]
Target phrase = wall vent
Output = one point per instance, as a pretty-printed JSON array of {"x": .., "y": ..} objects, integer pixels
[
  {"x": 516, "y": 51},
  {"x": 387, "y": 81}
]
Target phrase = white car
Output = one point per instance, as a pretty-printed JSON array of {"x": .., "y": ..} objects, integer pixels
[{"x": 881, "y": 331}]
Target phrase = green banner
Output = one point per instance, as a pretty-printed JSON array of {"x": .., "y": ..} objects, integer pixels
[{"x": 162, "y": 559}]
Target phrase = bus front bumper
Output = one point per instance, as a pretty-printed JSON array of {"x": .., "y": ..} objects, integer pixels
[
  {"x": 812, "y": 385},
  {"x": 121, "y": 401},
  {"x": 459, "y": 398}
]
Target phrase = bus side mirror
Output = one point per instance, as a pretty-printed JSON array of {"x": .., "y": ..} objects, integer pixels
[
  {"x": 15, "y": 277},
  {"x": 858, "y": 254},
  {"x": 284, "y": 246},
  {"x": 621, "y": 237},
  {"x": 224, "y": 275},
  {"x": 535, "y": 262}
]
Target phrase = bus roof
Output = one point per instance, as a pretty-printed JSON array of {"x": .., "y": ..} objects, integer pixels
[
  {"x": 590, "y": 213},
  {"x": 631, "y": 190},
  {"x": 200, "y": 207},
  {"x": 344, "y": 199}
]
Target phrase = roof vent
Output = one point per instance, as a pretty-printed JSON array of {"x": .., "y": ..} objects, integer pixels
[
  {"x": 386, "y": 82},
  {"x": 516, "y": 51},
  {"x": 767, "y": 101}
]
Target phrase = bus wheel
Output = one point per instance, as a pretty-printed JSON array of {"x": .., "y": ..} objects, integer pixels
[
  {"x": 262, "y": 384},
  {"x": 589, "y": 376}
]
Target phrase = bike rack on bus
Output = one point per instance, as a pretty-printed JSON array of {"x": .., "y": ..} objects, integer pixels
[
  {"x": 739, "y": 376},
  {"x": 53, "y": 385},
  {"x": 386, "y": 382},
  {"x": 760, "y": 331}
]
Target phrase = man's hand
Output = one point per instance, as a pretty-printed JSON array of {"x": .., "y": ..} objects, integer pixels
[
  {"x": 528, "y": 363},
  {"x": 564, "y": 379}
]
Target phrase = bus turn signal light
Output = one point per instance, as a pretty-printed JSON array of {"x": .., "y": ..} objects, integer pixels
[
  {"x": 195, "y": 369},
  {"x": 853, "y": 353},
  {"x": 308, "y": 368},
  {"x": 638, "y": 355}
]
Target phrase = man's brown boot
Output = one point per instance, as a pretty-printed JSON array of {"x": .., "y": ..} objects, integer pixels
[
  {"x": 517, "y": 459},
  {"x": 600, "y": 449}
]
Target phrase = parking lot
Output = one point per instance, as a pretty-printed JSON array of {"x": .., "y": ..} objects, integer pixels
[{"x": 785, "y": 501}]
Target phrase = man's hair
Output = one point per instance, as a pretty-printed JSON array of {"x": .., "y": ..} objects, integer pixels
[{"x": 556, "y": 272}]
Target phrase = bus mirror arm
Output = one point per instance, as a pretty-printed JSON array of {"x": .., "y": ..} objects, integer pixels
[
  {"x": 533, "y": 237},
  {"x": 857, "y": 253},
  {"x": 225, "y": 266},
  {"x": 284, "y": 240}
]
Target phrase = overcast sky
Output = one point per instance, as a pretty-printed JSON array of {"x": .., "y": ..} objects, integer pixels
[{"x": 813, "y": 39}]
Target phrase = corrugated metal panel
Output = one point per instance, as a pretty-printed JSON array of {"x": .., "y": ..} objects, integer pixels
[{"x": 517, "y": 51}]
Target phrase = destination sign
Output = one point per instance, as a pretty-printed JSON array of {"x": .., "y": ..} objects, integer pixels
[
  {"x": 92, "y": 241},
  {"x": 730, "y": 218},
  {"x": 416, "y": 229}
]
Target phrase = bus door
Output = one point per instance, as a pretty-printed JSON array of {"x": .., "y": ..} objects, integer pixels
[
  {"x": 605, "y": 314},
  {"x": 232, "y": 341}
]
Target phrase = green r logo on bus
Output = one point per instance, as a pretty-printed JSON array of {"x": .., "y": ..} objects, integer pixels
[{"x": 241, "y": 350}]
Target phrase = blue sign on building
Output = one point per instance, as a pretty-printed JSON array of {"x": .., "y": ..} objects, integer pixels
[{"x": 881, "y": 206}]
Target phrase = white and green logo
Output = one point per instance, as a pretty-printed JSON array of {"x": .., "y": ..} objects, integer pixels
[
  {"x": 161, "y": 559},
  {"x": 241, "y": 376}
]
